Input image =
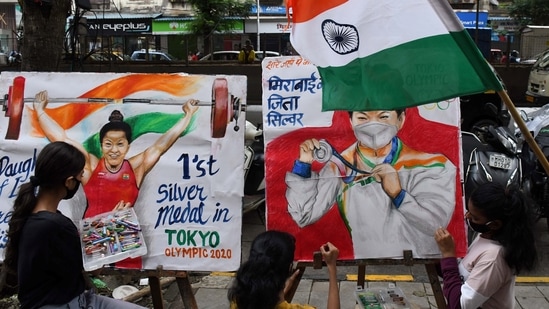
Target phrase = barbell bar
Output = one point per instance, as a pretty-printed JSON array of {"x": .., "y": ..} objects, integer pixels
[{"x": 225, "y": 106}]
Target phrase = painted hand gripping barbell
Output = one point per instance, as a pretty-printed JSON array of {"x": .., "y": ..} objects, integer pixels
[{"x": 223, "y": 111}]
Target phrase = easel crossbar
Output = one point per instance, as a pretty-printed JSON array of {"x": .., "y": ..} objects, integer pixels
[
  {"x": 155, "y": 284},
  {"x": 431, "y": 266}
]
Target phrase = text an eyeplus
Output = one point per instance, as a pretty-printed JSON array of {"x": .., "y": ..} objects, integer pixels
[{"x": 131, "y": 26}]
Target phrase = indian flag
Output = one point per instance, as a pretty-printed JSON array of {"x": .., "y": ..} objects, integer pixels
[{"x": 387, "y": 54}]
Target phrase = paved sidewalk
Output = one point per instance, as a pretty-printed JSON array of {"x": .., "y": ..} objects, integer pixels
[
  {"x": 211, "y": 293},
  {"x": 211, "y": 290}
]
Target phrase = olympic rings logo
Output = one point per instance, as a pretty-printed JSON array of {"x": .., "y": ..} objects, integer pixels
[{"x": 442, "y": 105}]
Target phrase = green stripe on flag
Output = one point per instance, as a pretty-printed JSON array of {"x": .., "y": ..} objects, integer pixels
[
  {"x": 142, "y": 124},
  {"x": 427, "y": 70}
]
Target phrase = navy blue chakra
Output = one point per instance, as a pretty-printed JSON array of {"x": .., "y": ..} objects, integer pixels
[{"x": 343, "y": 39}]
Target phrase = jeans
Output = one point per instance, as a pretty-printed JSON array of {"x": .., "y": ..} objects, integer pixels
[{"x": 90, "y": 300}]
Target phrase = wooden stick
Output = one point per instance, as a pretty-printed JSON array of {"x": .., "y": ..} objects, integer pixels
[
  {"x": 435, "y": 285},
  {"x": 186, "y": 292}
]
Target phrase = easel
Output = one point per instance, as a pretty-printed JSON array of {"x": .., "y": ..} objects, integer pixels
[
  {"x": 181, "y": 277},
  {"x": 408, "y": 260}
]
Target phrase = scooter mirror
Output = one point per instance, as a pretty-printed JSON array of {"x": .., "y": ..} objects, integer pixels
[
  {"x": 523, "y": 115},
  {"x": 492, "y": 108}
]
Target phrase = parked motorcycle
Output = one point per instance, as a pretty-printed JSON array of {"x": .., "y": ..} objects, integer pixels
[
  {"x": 495, "y": 159},
  {"x": 536, "y": 180},
  {"x": 14, "y": 58},
  {"x": 254, "y": 168}
]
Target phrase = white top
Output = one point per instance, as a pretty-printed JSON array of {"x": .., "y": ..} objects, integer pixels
[{"x": 489, "y": 281}]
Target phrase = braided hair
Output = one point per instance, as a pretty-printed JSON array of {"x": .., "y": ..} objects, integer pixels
[
  {"x": 262, "y": 277},
  {"x": 518, "y": 216}
]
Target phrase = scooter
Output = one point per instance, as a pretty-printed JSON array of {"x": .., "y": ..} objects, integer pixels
[
  {"x": 14, "y": 58},
  {"x": 254, "y": 168},
  {"x": 536, "y": 180},
  {"x": 496, "y": 159}
]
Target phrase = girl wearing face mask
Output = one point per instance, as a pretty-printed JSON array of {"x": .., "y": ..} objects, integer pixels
[
  {"x": 43, "y": 251},
  {"x": 505, "y": 246}
]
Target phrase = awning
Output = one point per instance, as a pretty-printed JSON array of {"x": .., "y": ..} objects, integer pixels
[
  {"x": 174, "y": 18},
  {"x": 119, "y": 15},
  {"x": 500, "y": 18}
]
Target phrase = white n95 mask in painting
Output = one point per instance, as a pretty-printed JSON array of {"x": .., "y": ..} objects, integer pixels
[{"x": 375, "y": 134}]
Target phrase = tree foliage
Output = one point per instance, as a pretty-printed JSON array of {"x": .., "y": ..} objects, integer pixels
[
  {"x": 530, "y": 12},
  {"x": 217, "y": 15},
  {"x": 44, "y": 29}
]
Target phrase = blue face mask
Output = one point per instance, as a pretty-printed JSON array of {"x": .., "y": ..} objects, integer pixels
[{"x": 479, "y": 228}]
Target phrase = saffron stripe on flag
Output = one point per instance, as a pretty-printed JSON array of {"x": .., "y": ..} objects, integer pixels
[{"x": 384, "y": 54}]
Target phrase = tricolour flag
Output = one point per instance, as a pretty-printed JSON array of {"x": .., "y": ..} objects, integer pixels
[{"x": 385, "y": 54}]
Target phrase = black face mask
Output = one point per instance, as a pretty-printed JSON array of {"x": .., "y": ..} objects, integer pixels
[
  {"x": 71, "y": 193},
  {"x": 479, "y": 228}
]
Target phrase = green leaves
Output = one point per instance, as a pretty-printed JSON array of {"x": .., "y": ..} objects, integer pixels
[
  {"x": 530, "y": 12},
  {"x": 218, "y": 15}
]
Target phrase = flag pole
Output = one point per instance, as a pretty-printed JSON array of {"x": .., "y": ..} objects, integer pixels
[{"x": 525, "y": 132}]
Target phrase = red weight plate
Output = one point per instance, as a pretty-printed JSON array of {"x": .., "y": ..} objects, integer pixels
[
  {"x": 220, "y": 107},
  {"x": 15, "y": 107},
  {"x": 7, "y": 103}
]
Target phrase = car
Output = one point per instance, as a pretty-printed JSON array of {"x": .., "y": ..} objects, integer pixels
[
  {"x": 232, "y": 55},
  {"x": 223, "y": 55},
  {"x": 268, "y": 53},
  {"x": 536, "y": 91},
  {"x": 530, "y": 61},
  {"x": 105, "y": 56},
  {"x": 141, "y": 55},
  {"x": 495, "y": 55}
]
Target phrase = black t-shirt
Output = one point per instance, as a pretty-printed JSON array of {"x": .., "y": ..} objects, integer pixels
[{"x": 50, "y": 261}]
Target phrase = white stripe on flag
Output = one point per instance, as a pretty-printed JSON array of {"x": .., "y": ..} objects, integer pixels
[{"x": 381, "y": 25}]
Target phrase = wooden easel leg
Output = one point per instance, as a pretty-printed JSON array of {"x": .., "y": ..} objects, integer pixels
[
  {"x": 186, "y": 291},
  {"x": 435, "y": 285},
  {"x": 361, "y": 276},
  {"x": 291, "y": 292},
  {"x": 156, "y": 292}
]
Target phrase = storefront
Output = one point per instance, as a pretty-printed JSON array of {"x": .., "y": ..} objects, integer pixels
[
  {"x": 504, "y": 28},
  {"x": 269, "y": 28},
  {"x": 10, "y": 16},
  {"x": 181, "y": 39},
  {"x": 121, "y": 33},
  {"x": 124, "y": 32},
  {"x": 476, "y": 23}
]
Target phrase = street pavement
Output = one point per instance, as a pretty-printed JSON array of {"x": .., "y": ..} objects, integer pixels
[{"x": 210, "y": 289}]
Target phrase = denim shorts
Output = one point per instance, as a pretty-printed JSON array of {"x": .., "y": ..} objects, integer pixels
[{"x": 90, "y": 300}]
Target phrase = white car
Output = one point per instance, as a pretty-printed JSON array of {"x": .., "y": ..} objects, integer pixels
[
  {"x": 537, "y": 91},
  {"x": 141, "y": 55},
  {"x": 268, "y": 53},
  {"x": 232, "y": 55}
]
